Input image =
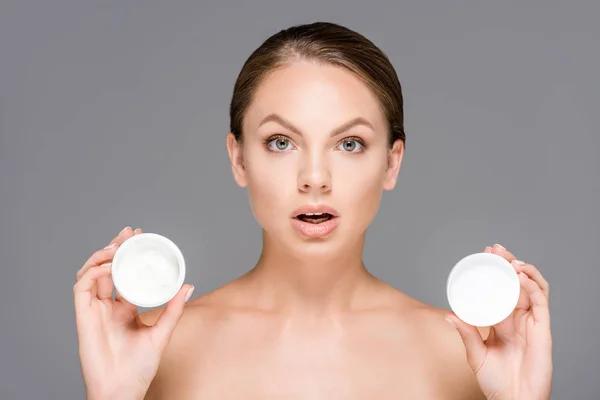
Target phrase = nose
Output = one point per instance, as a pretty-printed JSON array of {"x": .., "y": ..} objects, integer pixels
[{"x": 314, "y": 175}]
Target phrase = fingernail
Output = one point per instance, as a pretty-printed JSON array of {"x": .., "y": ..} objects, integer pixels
[
  {"x": 499, "y": 245},
  {"x": 518, "y": 262},
  {"x": 124, "y": 229},
  {"x": 451, "y": 322},
  {"x": 105, "y": 265},
  {"x": 189, "y": 294},
  {"x": 110, "y": 246},
  {"x": 138, "y": 230},
  {"x": 524, "y": 275}
]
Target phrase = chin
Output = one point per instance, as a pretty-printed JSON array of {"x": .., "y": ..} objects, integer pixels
[
  {"x": 317, "y": 251},
  {"x": 331, "y": 247}
]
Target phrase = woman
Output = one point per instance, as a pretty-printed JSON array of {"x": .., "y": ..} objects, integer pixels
[{"x": 316, "y": 135}]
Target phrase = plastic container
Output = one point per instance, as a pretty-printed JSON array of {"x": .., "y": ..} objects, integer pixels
[
  {"x": 483, "y": 289},
  {"x": 148, "y": 270}
]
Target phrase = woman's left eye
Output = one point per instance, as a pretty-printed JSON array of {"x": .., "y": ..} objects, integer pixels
[{"x": 351, "y": 145}]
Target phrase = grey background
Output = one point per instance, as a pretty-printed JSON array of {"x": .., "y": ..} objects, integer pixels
[{"x": 114, "y": 113}]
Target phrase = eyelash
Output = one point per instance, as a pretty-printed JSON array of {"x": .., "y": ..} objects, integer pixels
[{"x": 270, "y": 139}]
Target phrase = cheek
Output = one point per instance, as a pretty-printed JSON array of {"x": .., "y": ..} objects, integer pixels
[
  {"x": 360, "y": 188},
  {"x": 269, "y": 189}
]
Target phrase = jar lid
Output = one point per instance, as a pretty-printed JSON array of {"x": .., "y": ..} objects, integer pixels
[
  {"x": 483, "y": 289},
  {"x": 148, "y": 270}
]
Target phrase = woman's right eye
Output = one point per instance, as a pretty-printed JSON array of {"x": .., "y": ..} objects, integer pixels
[{"x": 279, "y": 144}]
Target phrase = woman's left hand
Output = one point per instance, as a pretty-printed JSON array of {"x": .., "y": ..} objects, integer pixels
[{"x": 514, "y": 362}]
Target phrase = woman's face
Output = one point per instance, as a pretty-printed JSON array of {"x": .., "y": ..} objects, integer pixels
[{"x": 314, "y": 135}]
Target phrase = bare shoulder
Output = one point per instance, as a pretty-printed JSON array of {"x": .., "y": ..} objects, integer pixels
[
  {"x": 192, "y": 334},
  {"x": 442, "y": 343},
  {"x": 219, "y": 315},
  {"x": 433, "y": 316}
]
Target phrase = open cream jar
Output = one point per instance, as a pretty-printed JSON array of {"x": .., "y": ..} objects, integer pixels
[
  {"x": 483, "y": 289},
  {"x": 148, "y": 270}
]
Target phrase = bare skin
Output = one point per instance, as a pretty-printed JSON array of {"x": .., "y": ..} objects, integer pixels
[
  {"x": 309, "y": 321},
  {"x": 388, "y": 346}
]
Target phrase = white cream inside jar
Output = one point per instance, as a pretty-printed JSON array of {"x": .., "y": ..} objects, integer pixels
[{"x": 148, "y": 270}]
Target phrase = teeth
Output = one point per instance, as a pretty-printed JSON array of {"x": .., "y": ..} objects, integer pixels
[{"x": 315, "y": 214}]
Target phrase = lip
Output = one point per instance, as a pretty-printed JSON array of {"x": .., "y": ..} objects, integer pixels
[
  {"x": 315, "y": 208},
  {"x": 310, "y": 230}
]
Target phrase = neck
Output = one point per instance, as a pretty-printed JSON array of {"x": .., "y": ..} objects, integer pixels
[{"x": 310, "y": 281}]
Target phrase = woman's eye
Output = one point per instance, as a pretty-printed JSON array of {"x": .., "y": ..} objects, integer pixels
[
  {"x": 351, "y": 146},
  {"x": 279, "y": 144}
]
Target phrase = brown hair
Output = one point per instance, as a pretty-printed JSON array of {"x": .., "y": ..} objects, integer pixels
[{"x": 327, "y": 43}]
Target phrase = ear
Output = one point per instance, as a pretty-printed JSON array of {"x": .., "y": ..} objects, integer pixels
[
  {"x": 236, "y": 159},
  {"x": 393, "y": 166}
]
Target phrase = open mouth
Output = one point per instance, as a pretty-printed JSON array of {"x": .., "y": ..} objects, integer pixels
[{"x": 314, "y": 218}]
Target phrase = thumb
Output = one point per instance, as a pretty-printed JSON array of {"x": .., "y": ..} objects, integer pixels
[
  {"x": 474, "y": 346},
  {"x": 164, "y": 327}
]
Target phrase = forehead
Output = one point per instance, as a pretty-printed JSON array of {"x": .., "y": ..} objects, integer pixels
[{"x": 314, "y": 96}]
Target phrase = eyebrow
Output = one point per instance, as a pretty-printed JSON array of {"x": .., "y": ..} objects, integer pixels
[{"x": 343, "y": 128}]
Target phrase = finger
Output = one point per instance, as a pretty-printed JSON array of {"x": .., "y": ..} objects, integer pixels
[
  {"x": 501, "y": 251},
  {"x": 168, "y": 319},
  {"x": 105, "y": 284},
  {"x": 125, "y": 234},
  {"x": 474, "y": 346},
  {"x": 98, "y": 258},
  {"x": 101, "y": 258},
  {"x": 523, "y": 303},
  {"x": 539, "y": 302},
  {"x": 534, "y": 274},
  {"x": 84, "y": 290}
]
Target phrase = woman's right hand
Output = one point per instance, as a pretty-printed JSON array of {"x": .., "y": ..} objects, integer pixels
[{"x": 119, "y": 354}]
